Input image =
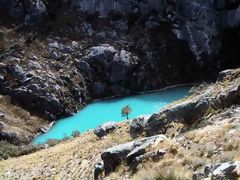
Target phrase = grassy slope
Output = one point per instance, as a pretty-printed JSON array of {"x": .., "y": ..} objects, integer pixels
[{"x": 215, "y": 139}]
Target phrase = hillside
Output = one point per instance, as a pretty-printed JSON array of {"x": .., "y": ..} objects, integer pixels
[
  {"x": 58, "y": 56},
  {"x": 189, "y": 144}
]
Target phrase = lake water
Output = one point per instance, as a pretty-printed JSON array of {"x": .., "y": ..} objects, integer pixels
[{"x": 100, "y": 112}]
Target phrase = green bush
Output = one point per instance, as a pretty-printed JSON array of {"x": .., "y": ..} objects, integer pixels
[{"x": 76, "y": 134}]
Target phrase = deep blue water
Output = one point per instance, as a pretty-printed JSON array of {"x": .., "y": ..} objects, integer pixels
[{"x": 98, "y": 113}]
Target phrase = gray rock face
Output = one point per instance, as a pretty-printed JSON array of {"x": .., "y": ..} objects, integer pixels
[
  {"x": 11, "y": 137},
  {"x": 227, "y": 170},
  {"x": 223, "y": 74},
  {"x": 107, "y": 68},
  {"x": 188, "y": 111},
  {"x": 121, "y": 65},
  {"x": 31, "y": 11},
  {"x": 106, "y": 128},
  {"x": 34, "y": 65},
  {"x": 224, "y": 169},
  {"x": 187, "y": 16},
  {"x": 114, "y": 156},
  {"x": 137, "y": 126},
  {"x": 197, "y": 22},
  {"x": 35, "y": 12}
]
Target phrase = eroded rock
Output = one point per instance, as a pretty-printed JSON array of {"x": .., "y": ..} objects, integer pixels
[
  {"x": 104, "y": 129},
  {"x": 114, "y": 156}
]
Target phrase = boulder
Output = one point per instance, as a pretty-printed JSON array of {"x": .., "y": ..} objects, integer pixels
[
  {"x": 198, "y": 176},
  {"x": 98, "y": 53},
  {"x": 54, "y": 45},
  {"x": 221, "y": 171},
  {"x": 187, "y": 111},
  {"x": 34, "y": 65},
  {"x": 137, "y": 126},
  {"x": 114, "y": 156},
  {"x": 225, "y": 169},
  {"x": 141, "y": 149},
  {"x": 98, "y": 170},
  {"x": 223, "y": 74},
  {"x": 104, "y": 129}
]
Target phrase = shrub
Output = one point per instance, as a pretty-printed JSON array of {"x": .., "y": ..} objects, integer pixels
[
  {"x": 8, "y": 150},
  {"x": 76, "y": 134},
  {"x": 53, "y": 142}
]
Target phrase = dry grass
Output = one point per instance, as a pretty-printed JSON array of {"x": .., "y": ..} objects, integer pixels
[
  {"x": 74, "y": 158},
  {"x": 163, "y": 173},
  {"x": 18, "y": 119}
]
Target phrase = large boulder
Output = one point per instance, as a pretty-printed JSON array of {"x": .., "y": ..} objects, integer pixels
[
  {"x": 114, "y": 156},
  {"x": 101, "y": 53},
  {"x": 137, "y": 126},
  {"x": 187, "y": 111},
  {"x": 221, "y": 171},
  {"x": 225, "y": 170}
]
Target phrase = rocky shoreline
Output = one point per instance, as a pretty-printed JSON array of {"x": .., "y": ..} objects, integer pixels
[{"x": 46, "y": 128}]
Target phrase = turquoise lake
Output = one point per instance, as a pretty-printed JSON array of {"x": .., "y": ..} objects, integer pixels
[{"x": 100, "y": 112}]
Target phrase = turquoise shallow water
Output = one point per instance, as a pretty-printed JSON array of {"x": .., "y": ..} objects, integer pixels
[{"x": 98, "y": 113}]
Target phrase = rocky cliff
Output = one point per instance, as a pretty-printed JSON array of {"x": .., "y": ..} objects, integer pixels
[{"x": 198, "y": 22}]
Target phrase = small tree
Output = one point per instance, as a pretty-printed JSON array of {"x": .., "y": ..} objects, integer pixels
[{"x": 126, "y": 111}]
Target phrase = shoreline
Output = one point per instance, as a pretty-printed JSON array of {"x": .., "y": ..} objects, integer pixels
[
  {"x": 146, "y": 92},
  {"x": 120, "y": 96}
]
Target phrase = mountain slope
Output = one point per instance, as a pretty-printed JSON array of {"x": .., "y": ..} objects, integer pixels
[{"x": 210, "y": 137}]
